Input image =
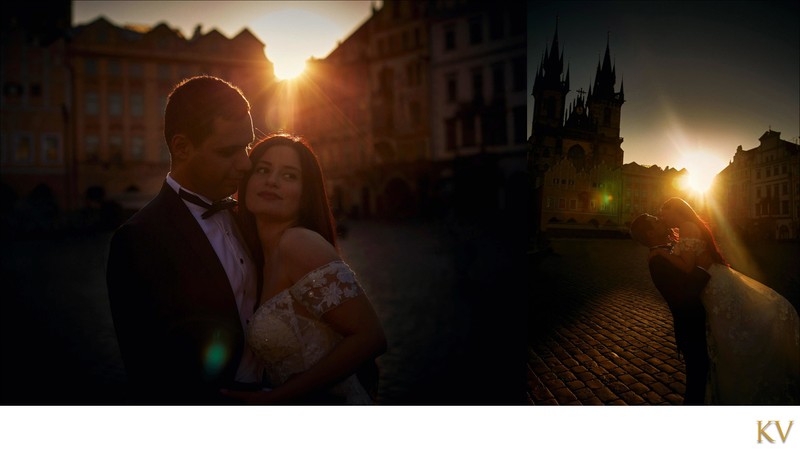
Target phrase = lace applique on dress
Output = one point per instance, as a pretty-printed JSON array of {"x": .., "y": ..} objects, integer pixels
[
  {"x": 696, "y": 246},
  {"x": 326, "y": 288},
  {"x": 288, "y": 343}
]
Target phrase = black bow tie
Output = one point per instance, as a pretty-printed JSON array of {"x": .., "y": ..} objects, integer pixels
[{"x": 217, "y": 206}]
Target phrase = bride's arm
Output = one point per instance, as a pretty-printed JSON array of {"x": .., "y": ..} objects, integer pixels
[
  {"x": 355, "y": 320},
  {"x": 363, "y": 339},
  {"x": 687, "y": 259}
]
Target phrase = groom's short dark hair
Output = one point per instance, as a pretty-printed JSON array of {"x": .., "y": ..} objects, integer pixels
[
  {"x": 641, "y": 226},
  {"x": 195, "y": 102}
]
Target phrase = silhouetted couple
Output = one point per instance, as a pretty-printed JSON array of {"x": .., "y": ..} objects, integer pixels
[{"x": 740, "y": 339}]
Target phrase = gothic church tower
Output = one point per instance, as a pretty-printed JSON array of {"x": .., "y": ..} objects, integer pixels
[{"x": 576, "y": 150}]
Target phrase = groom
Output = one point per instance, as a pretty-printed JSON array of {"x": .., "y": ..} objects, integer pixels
[
  {"x": 180, "y": 280},
  {"x": 681, "y": 291}
]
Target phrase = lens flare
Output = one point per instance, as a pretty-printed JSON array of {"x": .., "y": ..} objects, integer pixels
[{"x": 215, "y": 357}]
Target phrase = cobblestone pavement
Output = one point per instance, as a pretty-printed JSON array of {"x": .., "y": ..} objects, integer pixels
[{"x": 600, "y": 332}]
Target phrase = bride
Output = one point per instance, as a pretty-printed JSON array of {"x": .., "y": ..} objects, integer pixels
[
  {"x": 753, "y": 332},
  {"x": 315, "y": 326}
]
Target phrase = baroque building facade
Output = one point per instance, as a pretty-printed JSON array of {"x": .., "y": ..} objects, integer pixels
[
  {"x": 417, "y": 89},
  {"x": 121, "y": 79},
  {"x": 758, "y": 193},
  {"x": 82, "y": 111},
  {"x": 36, "y": 103}
]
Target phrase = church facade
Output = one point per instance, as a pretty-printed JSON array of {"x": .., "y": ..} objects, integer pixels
[{"x": 576, "y": 154}]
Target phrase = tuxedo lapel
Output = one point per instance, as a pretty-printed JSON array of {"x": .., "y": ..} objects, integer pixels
[{"x": 190, "y": 241}]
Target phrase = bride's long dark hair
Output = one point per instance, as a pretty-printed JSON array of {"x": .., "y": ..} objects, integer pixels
[
  {"x": 315, "y": 211},
  {"x": 686, "y": 212}
]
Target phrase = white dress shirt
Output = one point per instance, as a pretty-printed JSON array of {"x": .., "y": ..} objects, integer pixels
[{"x": 226, "y": 240}]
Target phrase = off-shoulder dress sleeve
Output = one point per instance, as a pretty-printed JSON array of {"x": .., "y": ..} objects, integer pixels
[{"x": 326, "y": 288}]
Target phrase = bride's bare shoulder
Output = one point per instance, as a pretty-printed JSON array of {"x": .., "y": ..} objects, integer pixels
[{"x": 302, "y": 250}]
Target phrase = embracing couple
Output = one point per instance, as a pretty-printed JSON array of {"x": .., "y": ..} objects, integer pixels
[
  {"x": 254, "y": 305},
  {"x": 740, "y": 339}
]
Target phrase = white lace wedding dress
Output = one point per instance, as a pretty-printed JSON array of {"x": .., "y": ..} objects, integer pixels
[
  {"x": 753, "y": 339},
  {"x": 288, "y": 343}
]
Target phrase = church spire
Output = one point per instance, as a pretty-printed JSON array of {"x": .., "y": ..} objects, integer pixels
[{"x": 605, "y": 77}]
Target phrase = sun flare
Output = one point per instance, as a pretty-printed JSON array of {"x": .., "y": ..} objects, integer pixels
[
  {"x": 288, "y": 68},
  {"x": 702, "y": 167},
  {"x": 699, "y": 180},
  {"x": 294, "y": 34}
]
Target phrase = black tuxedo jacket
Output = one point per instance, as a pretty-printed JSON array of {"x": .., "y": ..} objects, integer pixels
[
  {"x": 681, "y": 291},
  {"x": 173, "y": 307}
]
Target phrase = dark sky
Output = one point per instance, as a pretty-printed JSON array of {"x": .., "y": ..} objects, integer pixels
[{"x": 700, "y": 78}]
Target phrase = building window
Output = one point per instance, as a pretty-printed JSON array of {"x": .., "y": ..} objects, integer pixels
[
  {"x": 783, "y": 169},
  {"x": 136, "y": 70},
  {"x": 468, "y": 131},
  {"x": 114, "y": 68},
  {"x": 498, "y": 80},
  {"x": 92, "y": 102},
  {"x": 520, "y": 73},
  {"x": 22, "y": 148},
  {"x": 35, "y": 90},
  {"x": 115, "y": 148},
  {"x": 164, "y": 72},
  {"x": 90, "y": 67},
  {"x": 12, "y": 89},
  {"x": 449, "y": 37},
  {"x": 475, "y": 30},
  {"x": 452, "y": 88},
  {"x": 785, "y": 188},
  {"x": 784, "y": 207},
  {"x": 115, "y": 104},
  {"x": 91, "y": 145},
  {"x": 494, "y": 127},
  {"x": 562, "y": 204},
  {"x": 758, "y": 192},
  {"x": 51, "y": 149},
  {"x": 758, "y": 174},
  {"x": 137, "y": 148},
  {"x": 769, "y": 172},
  {"x": 549, "y": 202},
  {"x": 477, "y": 85},
  {"x": 415, "y": 112},
  {"x": 573, "y": 204},
  {"x": 450, "y": 134},
  {"x": 137, "y": 105}
]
